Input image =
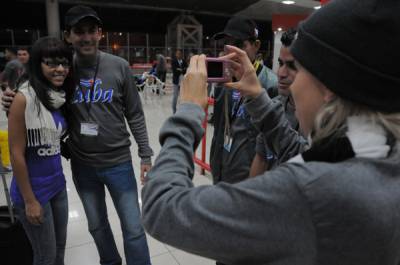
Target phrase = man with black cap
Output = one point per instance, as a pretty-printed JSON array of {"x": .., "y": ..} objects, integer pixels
[
  {"x": 233, "y": 144},
  {"x": 105, "y": 95}
]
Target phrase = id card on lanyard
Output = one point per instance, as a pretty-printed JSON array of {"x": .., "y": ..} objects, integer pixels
[
  {"x": 227, "y": 129},
  {"x": 228, "y": 139},
  {"x": 89, "y": 128}
]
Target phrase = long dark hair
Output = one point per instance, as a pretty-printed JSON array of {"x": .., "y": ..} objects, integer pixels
[{"x": 47, "y": 47}]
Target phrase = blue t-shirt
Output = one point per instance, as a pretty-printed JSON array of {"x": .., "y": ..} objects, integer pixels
[{"x": 44, "y": 168}]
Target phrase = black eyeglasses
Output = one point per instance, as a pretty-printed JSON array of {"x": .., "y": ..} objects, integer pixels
[{"x": 53, "y": 64}]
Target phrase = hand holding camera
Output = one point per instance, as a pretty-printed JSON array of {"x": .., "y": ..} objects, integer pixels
[
  {"x": 241, "y": 67},
  {"x": 202, "y": 70},
  {"x": 236, "y": 63},
  {"x": 194, "y": 85}
]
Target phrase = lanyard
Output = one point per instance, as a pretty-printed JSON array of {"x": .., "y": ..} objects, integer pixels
[
  {"x": 229, "y": 119},
  {"x": 89, "y": 106}
]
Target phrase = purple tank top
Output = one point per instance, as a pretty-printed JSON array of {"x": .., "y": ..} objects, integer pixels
[{"x": 44, "y": 168}]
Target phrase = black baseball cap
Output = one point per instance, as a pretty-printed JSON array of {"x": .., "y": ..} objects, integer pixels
[
  {"x": 77, "y": 13},
  {"x": 239, "y": 28}
]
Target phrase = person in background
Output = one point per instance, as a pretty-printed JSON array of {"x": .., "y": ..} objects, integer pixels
[
  {"x": 12, "y": 71},
  {"x": 338, "y": 201},
  {"x": 23, "y": 55},
  {"x": 161, "y": 67},
  {"x": 36, "y": 123},
  {"x": 161, "y": 70},
  {"x": 266, "y": 158},
  {"x": 234, "y": 140},
  {"x": 179, "y": 66}
]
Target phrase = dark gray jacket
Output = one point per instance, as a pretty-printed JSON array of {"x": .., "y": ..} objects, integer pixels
[
  {"x": 114, "y": 104},
  {"x": 345, "y": 213},
  {"x": 269, "y": 117},
  {"x": 234, "y": 166},
  {"x": 264, "y": 150}
]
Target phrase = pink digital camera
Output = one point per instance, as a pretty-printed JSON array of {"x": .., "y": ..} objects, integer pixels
[{"x": 217, "y": 70}]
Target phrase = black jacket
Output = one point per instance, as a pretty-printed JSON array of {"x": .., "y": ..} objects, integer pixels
[{"x": 177, "y": 70}]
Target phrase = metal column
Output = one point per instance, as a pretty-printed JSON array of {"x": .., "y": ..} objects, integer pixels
[
  {"x": 129, "y": 48},
  {"x": 107, "y": 42},
  {"x": 147, "y": 48},
  {"x": 53, "y": 18}
]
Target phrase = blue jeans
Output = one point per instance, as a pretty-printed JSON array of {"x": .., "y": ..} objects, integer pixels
[
  {"x": 90, "y": 183},
  {"x": 48, "y": 239}
]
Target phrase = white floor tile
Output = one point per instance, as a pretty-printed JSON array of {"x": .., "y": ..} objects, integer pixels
[
  {"x": 164, "y": 259},
  {"x": 78, "y": 234},
  {"x": 185, "y": 258},
  {"x": 156, "y": 247},
  {"x": 82, "y": 255}
]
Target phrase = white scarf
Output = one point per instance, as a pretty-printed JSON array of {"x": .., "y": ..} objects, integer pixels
[
  {"x": 367, "y": 139},
  {"x": 57, "y": 98},
  {"x": 41, "y": 128}
]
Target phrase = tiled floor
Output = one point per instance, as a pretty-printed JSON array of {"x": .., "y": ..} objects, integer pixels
[{"x": 81, "y": 249}]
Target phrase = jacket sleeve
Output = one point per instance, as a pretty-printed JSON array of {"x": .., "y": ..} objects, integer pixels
[
  {"x": 134, "y": 115},
  {"x": 252, "y": 222},
  {"x": 269, "y": 117}
]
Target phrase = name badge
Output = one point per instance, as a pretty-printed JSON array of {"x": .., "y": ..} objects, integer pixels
[{"x": 89, "y": 129}]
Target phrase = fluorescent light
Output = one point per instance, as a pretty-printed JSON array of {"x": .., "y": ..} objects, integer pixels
[
  {"x": 286, "y": 2},
  {"x": 317, "y": 7}
]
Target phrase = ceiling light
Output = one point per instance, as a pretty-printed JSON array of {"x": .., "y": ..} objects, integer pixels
[
  {"x": 288, "y": 2},
  {"x": 317, "y": 7},
  {"x": 279, "y": 29}
]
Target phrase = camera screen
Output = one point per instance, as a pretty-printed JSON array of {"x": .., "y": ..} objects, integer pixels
[{"x": 215, "y": 69}]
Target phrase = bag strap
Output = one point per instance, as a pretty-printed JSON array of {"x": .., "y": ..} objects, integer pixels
[{"x": 7, "y": 194}]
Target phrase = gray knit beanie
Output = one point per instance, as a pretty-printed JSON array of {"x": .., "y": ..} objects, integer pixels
[{"x": 353, "y": 48}]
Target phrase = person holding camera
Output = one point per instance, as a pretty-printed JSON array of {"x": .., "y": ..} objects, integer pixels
[{"x": 338, "y": 202}]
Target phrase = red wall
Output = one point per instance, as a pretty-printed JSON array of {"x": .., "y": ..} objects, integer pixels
[{"x": 286, "y": 21}]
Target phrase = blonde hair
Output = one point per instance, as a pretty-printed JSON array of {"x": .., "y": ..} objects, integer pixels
[{"x": 331, "y": 119}]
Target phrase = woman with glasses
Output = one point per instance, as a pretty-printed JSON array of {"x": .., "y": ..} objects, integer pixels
[{"x": 36, "y": 124}]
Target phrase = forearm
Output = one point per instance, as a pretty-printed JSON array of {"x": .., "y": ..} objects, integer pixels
[
  {"x": 269, "y": 117},
  {"x": 134, "y": 115},
  {"x": 137, "y": 125}
]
